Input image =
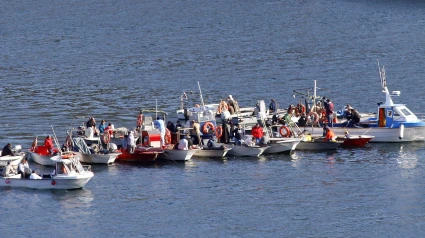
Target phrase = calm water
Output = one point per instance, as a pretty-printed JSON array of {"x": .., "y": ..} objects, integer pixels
[{"x": 62, "y": 61}]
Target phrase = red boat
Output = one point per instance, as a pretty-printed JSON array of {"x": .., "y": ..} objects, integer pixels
[
  {"x": 141, "y": 155},
  {"x": 355, "y": 140}
]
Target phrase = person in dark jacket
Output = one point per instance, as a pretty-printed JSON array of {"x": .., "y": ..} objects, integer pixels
[{"x": 7, "y": 150}]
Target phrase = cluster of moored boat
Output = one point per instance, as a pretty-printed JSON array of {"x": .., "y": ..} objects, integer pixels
[{"x": 391, "y": 123}]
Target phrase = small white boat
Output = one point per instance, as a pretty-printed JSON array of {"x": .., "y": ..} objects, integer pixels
[
  {"x": 13, "y": 159},
  {"x": 177, "y": 155},
  {"x": 94, "y": 154},
  {"x": 218, "y": 152},
  {"x": 68, "y": 174},
  {"x": 280, "y": 145},
  {"x": 244, "y": 150}
]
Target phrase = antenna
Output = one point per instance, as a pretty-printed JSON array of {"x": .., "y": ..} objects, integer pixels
[{"x": 200, "y": 95}]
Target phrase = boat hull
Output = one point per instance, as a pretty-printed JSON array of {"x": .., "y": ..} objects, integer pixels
[
  {"x": 41, "y": 159},
  {"x": 247, "y": 150},
  {"x": 14, "y": 160},
  {"x": 355, "y": 141},
  {"x": 177, "y": 155},
  {"x": 98, "y": 158},
  {"x": 380, "y": 134},
  {"x": 281, "y": 146},
  {"x": 55, "y": 182},
  {"x": 318, "y": 145},
  {"x": 211, "y": 153}
]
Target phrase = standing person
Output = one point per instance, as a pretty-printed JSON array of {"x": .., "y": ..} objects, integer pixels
[
  {"x": 131, "y": 144},
  {"x": 48, "y": 142},
  {"x": 257, "y": 132},
  {"x": 8, "y": 170},
  {"x": 102, "y": 126},
  {"x": 273, "y": 106},
  {"x": 171, "y": 127},
  {"x": 159, "y": 123},
  {"x": 7, "y": 150},
  {"x": 197, "y": 128},
  {"x": 231, "y": 104},
  {"x": 186, "y": 115},
  {"x": 329, "y": 110}
]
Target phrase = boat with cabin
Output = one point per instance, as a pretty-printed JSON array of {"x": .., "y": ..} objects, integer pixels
[
  {"x": 69, "y": 173},
  {"x": 392, "y": 122}
]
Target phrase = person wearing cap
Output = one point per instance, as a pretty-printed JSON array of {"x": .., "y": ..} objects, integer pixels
[
  {"x": 48, "y": 142},
  {"x": 7, "y": 150},
  {"x": 330, "y": 135},
  {"x": 102, "y": 126},
  {"x": 8, "y": 170}
]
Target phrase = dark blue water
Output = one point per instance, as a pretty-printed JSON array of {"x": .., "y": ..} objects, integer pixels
[{"x": 60, "y": 60}]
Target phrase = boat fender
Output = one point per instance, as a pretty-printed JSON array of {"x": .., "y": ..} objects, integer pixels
[
  {"x": 401, "y": 131},
  {"x": 167, "y": 136},
  {"x": 7, "y": 181},
  {"x": 207, "y": 127},
  {"x": 284, "y": 131},
  {"x": 53, "y": 182}
]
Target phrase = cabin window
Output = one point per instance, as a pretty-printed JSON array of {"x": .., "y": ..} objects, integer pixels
[
  {"x": 406, "y": 112},
  {"x": 396, "y": 114}
]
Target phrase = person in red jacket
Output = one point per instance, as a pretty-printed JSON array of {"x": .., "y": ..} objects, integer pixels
[
  {"x": 48, "y": 142},
  {"x": 257, "y": 132}
]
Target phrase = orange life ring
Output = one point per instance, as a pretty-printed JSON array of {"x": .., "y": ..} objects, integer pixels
[
  {"x": 315, "y": 116},
  {"x": 219, "y": 131},
  {"x": 167, "y": 136},
  {"x": 106, "y": 137},
  {"x": 222, "y": 107},
  {"x": 140, "y": 120},
  {"x": 284, "y": 131},
  {"x": 68, "y": 156},
  {"x": 207, "y": 127}
]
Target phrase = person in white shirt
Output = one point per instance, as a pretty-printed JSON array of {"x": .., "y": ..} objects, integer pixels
[
  {"x": 34, "y": 175},
  {"x": 131, "y": 143},
  {"x": 183, "y": 143},
  {"x": 8, "y": 170},
  {"x": 24, "y": 169}
]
